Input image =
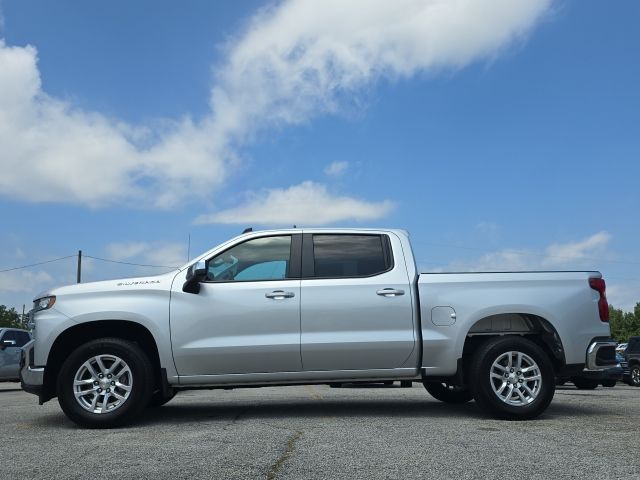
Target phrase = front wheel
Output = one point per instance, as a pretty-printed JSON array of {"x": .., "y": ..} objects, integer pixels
[
  {"x": 105, "y": 383},
  {"x": 634, "y": 375},
  {"x": 448, "y": 393},
  {"x": 512, "y": 378}
]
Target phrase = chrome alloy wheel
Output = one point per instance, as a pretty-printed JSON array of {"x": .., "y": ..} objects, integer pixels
[
  {"x": 515, "y": 378},
  {"x": 102, "y": 384},
  {"x": 635, "y": 376}
]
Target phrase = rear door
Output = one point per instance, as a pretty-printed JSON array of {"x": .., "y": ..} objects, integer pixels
[{"x": 356, "y": 308}]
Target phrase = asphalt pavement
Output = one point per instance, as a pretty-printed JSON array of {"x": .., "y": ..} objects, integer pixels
[{"x": 316, "y": 432}]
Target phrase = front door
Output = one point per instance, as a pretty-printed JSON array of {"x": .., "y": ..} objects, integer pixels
[{"x": 246, "y": 318}]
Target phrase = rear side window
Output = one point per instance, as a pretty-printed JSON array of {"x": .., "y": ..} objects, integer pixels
[
  {"x": 633, "y": 346},
  {"x": 345, "y": 256}
]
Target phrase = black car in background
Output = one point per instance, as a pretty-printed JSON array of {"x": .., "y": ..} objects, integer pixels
[{"x": 631, "y": 362}]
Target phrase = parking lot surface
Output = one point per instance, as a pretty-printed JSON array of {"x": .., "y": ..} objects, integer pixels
[{"x": 317, "y": 432}]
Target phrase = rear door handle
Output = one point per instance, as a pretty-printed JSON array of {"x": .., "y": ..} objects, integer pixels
[
  {"x": 390, "y": 292},
  {"x": 279, "y": 295}
]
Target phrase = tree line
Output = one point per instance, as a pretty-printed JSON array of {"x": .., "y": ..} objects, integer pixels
[
  {"x": 9, "y": 317},
  {"x": 623, "y": 324}
]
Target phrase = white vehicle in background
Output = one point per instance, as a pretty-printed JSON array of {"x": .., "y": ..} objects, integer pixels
[
  {"x": 621, "y": 347},
  {"x": 315, "y": 306}
]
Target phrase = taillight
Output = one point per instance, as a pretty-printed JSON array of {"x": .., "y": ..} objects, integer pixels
[{"x": 603, "y": 307}]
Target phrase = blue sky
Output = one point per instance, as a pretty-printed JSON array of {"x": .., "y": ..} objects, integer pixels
[{"x": 501, "y": 137}]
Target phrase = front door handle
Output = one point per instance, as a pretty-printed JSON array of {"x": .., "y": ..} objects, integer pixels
[
  {"x": 279, "y": 295},
  {"x": 390, "y": 292}
]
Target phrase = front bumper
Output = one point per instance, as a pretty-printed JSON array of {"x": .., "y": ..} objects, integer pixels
[{"x": 31, "y": 377}]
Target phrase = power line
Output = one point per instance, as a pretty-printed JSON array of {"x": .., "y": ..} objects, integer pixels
[
  {"x": 36, "y": 264},
  {"x": 128, "y": 263}
]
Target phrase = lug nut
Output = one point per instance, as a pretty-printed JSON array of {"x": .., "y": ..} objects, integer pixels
[
  {"x": 99, "y": 390},
  {"x": 101, "y": 375},
  {"x": 108, "y": 390},
  {"x": 109, "y": 376},
  {"x": 113, "y": 383},
  {"x": 96, "y": 383}
]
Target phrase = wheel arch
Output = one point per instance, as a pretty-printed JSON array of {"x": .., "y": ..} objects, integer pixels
[
  {"x": 74, "y": 336},
  {"x": 531, "y": 326}
]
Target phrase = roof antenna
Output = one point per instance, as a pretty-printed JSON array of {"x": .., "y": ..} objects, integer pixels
[{"x": 247, "y": 230}]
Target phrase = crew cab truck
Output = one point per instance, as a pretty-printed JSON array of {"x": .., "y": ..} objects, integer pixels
[{"x": 315, "y": 306}]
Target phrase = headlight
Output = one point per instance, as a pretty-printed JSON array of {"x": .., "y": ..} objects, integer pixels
[{"x": 43, "y": 303}]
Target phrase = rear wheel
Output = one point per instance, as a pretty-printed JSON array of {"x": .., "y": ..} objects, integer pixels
[
  {"x": 512, "y": 378},
  {"x": 105, "y": 383},
  {"x": 448, "y": 393},
  {"x": 584, "y": 383}
]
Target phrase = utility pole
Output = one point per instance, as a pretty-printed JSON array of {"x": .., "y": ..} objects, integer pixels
[
  {"x": 79, "y": 276},
  {"x": 23, "y": 319}
]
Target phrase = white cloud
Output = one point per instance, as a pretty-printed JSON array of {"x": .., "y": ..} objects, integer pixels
[
  {"x": 125, "y": 250},
  {"x": 306, "y": 204},
  {"x": 295, "y": 60},
  {"x": 574, "y": 251},
  {"x": 336, "y": 169},
  {"x": 167, "y": 254},
  {"x": 578, "y": 254},
  {"x": 623, "y": 295},
  {"x": 65, "y": 154},
  {"x": 24, "y": 281}
]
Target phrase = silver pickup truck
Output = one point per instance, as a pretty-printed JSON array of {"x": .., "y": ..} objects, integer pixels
[{"x": 314, "y": 306}]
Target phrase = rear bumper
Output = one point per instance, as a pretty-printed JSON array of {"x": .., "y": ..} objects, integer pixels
[
  {"x": 612, "y": 373},
  {"x": 31, "y": 377},
  {"x": 601, "y": 355}
]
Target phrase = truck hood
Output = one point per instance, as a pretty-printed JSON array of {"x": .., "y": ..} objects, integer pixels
[{"x": 151, "y": 282}]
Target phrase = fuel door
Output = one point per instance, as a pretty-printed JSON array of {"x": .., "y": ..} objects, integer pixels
[{"x": 443, "y": 316}]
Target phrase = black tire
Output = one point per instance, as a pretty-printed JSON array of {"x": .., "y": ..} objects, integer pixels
[
  {"x": 142, "y": 384},
  {"x": 634, "y": 375},
  {"x": 481, "y": 383},
  {"x": 608, "y": 383},
  {"x": 158, "y": 400},
  {"x": 448, "y": 393},
  {"x": 585, "y": 383}
]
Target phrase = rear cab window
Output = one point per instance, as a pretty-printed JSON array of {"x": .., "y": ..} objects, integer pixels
[{"x": 350, "y": 256}]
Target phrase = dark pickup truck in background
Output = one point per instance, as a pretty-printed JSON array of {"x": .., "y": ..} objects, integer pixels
[{"x": 631, "y": 362}]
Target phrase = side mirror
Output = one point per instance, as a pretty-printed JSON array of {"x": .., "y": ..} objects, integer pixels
[
  {"x": 195, "y": 274},
  {"x": 7, "y": 343}
]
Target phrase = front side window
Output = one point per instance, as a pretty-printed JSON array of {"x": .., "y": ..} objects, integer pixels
[
  {"x": 254, "y": 260},
  {"x": 338, "y": 256}
]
